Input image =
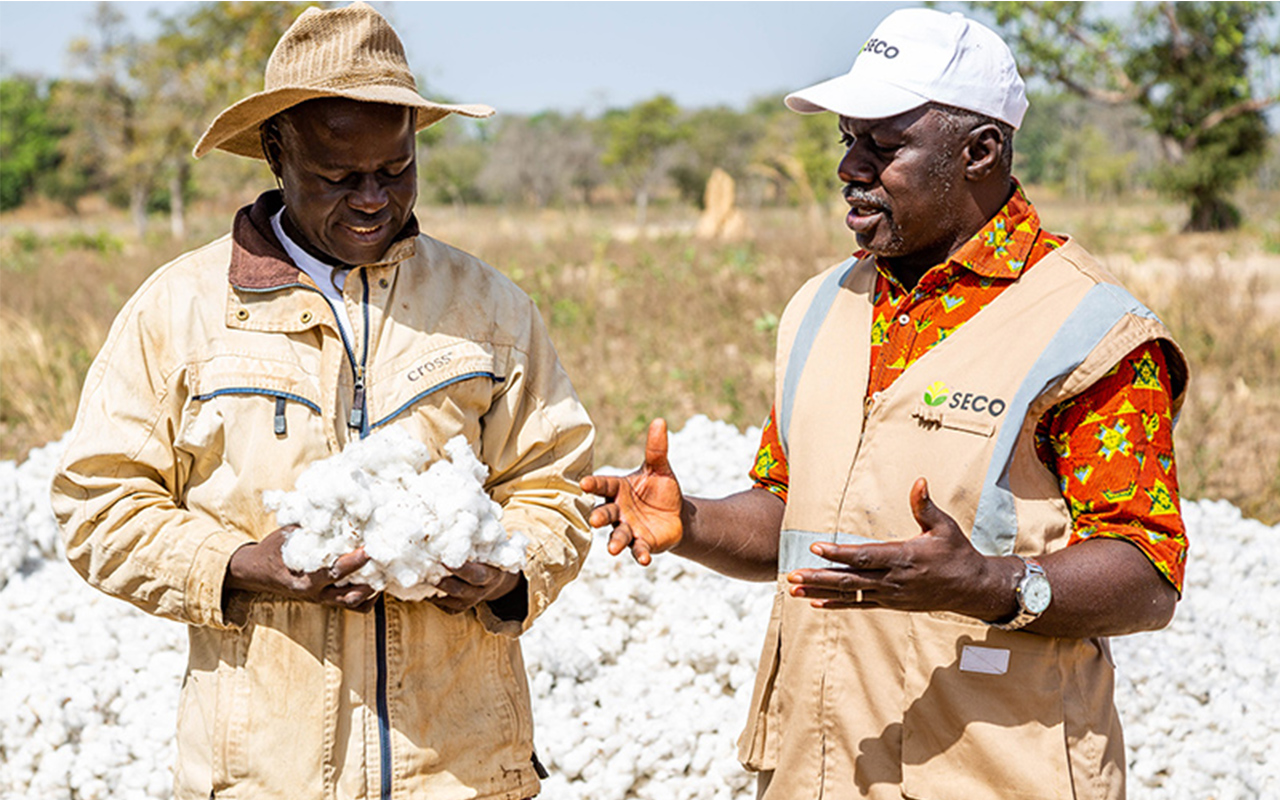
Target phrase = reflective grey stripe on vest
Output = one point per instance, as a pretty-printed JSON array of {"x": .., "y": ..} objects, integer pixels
[
  {"x": 806, "y": 334},
  {"x": 794, "y": 552},
  {"x": 996, "y": 524}
]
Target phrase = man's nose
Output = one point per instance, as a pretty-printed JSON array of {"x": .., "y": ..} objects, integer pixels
[
  {"x": 855, "y": 167},
  {"x": 369, "y": 196}
]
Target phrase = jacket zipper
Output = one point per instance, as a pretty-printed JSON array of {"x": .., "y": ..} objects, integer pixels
[
  {"x": 384, "y": 715},
  {"x": 356, "y": 420},
  {"x": 359, "y": 417},
  {"x": 868, "y": 404},
  {"x": 359, "y": 421}
]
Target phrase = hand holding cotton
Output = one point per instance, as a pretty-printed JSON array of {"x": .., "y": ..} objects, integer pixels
[{"x": 415, "y": 524}]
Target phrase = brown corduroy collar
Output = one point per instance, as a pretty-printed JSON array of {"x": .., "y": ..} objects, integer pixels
[{"x": 258, "y": 260}]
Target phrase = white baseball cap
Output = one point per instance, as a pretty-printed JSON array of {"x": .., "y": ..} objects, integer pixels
[{"x": 916, "y": 56}]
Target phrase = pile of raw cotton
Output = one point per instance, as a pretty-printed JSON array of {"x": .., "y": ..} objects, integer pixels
[
  {"x": 415, "y": 525},
  {"x": 640, "y": 677}
]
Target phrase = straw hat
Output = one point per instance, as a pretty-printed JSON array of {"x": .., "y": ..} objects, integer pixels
[{"x": 347, "y": 52}]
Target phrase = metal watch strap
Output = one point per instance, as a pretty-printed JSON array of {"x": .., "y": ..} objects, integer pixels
[{"x": 1024, "y": 616}]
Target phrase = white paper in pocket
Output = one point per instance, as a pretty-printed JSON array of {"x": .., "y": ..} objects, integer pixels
[{"x": 986, "y": 660}]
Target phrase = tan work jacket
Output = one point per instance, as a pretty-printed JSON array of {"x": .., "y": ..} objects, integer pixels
[
  {"x": 225, "y": 376},
  {"x": 887, "y": 704}
]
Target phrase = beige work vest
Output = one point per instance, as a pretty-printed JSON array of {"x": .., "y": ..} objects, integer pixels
[{"x": 887, "y": 704}]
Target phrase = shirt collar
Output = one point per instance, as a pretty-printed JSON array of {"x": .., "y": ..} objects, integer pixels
[{"x": 1000, "y": 248}]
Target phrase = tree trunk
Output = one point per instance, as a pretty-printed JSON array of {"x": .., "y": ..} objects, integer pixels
[
  {"x": 642, "y": 207},
  {"x": 1211, "y": 212},
  {"x": 177, "y": 203},
  {"x": 138, "y": 208}
]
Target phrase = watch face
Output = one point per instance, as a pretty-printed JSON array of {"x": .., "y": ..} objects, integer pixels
[{"x": 1036, "y": 593}]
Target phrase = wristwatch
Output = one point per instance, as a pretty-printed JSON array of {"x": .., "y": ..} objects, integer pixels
[{"x": 1033, "y": 594}]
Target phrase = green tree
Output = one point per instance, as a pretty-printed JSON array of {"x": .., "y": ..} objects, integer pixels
[
  {"x": 207, "y": 56},
  {"x": 28, "y": 139},
  {"x": 639, "y": 141},
  {"x": 1082, "y": 147},
  {"x": 798, "y": 153},
  {"x": 715, "y": 137},
  {"x": 451, "y": 156},
  {"x": 132, "y": 125},
  {"x": 103, "y": 147},
  {"x": 542, "y": 159},
  {"x": 1194, "y": 69}
]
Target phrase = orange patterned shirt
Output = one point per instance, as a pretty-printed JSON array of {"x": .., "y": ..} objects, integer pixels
[{"x": 1110, "y": 446}]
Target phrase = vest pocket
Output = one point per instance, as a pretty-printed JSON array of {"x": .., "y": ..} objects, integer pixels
[
  {"x": 984, "y": 714},
  {"x": 756, "y": 749},
  {"x": 954, "y": 422},
  {"x": 936, "y": 419}
]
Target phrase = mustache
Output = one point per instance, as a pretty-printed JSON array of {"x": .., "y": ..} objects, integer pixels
[
  {"x": 855, "y": 196},
  {"x": 362, "y": 220}
]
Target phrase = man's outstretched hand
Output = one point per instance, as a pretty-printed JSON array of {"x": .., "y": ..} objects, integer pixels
[
  {"x": 937, "y": 570},
  {"x": 643, "y": 507}
]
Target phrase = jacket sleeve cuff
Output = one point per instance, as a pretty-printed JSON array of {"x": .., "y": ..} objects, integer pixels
[
  {"x": 204, "y": 587},
  {"x": 540, "y": 585},
  {"x": 508, "y": 615}
]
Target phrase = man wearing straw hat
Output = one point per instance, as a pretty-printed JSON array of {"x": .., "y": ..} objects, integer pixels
[
  {"x": 323, "y": 316},
  {"x": 967, "y": 483}
]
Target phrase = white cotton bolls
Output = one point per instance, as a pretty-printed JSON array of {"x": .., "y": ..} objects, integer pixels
[
  {"x": 640, "y": 677},
  {"x": 28, "y": 531},
  {"x": 415, "y": 525}
]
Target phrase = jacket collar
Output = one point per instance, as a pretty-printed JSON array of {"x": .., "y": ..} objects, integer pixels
[{"x": 259, "y": 261}]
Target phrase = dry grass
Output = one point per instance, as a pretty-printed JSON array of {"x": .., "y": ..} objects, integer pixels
[{"x": 659, "y": 323}]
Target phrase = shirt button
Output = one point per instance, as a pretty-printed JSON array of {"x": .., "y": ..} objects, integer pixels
[
  {"x": 242, "y": 314},
  {"x": 903, "y": 319},
  {"x": 383, "y": 283}
]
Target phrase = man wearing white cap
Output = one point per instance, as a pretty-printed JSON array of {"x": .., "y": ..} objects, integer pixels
[
  {"x": 324, "y": 316},
  {"x": 967, "y": 482}
]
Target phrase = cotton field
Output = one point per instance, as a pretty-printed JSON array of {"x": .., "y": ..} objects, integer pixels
[{"x": 640, "y": 677}]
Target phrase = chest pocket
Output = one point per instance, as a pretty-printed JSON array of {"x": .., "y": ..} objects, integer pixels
[
  {"x": 245, "y": 412},
  {"x": 451, "y": 380},
  {"x": 937, "y": 419}
]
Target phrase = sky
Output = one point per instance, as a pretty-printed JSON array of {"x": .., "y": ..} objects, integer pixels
[{"x": 526, "y": 57}]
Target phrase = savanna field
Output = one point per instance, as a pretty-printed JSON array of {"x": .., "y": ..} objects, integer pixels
[
  {"x": 653, "y": 322},
  {"x": 659, "y": 322}
]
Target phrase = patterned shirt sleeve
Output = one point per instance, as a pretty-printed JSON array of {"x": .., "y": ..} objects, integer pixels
[
  {"x": 770, "y": 470},
  {"x": 1112, "y": 448}
]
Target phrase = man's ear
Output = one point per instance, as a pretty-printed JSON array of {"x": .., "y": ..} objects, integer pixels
[
  {"x": 983, "y": 152},
  {"x": 269, "y": 134}
]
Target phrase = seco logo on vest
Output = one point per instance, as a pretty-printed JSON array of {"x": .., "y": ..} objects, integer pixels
[{"x": 938, "y": 393}]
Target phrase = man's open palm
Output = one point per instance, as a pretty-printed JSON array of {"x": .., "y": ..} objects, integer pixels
[{"x": 643, "y": 507}]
